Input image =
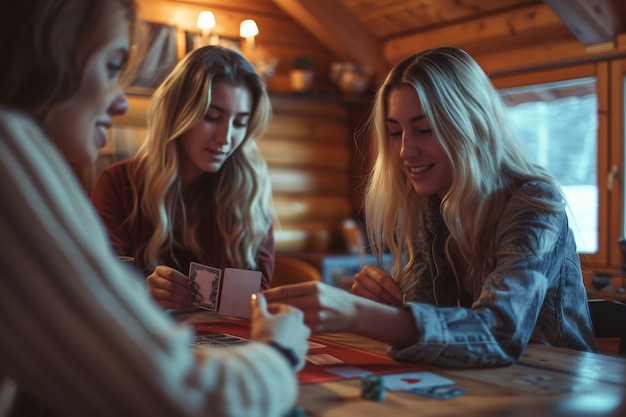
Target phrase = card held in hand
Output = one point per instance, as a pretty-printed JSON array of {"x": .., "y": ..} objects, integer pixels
[
  {"x": 238, "y": 286},
  {"x": 207, "y": 282}
]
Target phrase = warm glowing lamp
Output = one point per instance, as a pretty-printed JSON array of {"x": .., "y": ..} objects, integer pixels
[
  {"x": 248, "y": 30},
  {"x": 206, "y": 22}
]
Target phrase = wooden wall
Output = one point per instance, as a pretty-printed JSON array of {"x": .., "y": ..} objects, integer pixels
[
  {"x": 316, "y": 164},
  {"x": 279, "y": 35},
  {"x": 306, "y": 148},
  {"x": 309, "y": 149}
]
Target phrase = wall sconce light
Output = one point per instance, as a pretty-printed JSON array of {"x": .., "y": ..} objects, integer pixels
[
  {"x": 248, "y": 29},
  {"x": 206, "y": 22}
]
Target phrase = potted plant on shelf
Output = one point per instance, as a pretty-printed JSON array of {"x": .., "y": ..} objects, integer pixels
[{"x": 301, "y": 74}]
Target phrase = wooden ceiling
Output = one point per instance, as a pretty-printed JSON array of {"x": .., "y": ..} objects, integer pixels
[
  {"x": 503, "y": 35},
  {"x": 386, "y": 30}
]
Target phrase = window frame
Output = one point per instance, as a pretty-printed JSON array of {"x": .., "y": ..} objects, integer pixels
[{"x": 609, "y": 147}]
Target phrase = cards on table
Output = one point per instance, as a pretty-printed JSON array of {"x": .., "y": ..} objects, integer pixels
[
  {"x": 423, "y": 383},
  {"x": 442, "y": 393},
  {"x": 219, "y": 340},
  {"x": 228, "y": 294},
  {"x": 410, "y": 380}
]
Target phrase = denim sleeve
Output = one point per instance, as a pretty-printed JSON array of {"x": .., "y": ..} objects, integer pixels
[{"x": 495, "y": 331}]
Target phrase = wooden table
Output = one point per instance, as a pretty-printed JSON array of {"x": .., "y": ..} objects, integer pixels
[{"x": 546, "y": 381}]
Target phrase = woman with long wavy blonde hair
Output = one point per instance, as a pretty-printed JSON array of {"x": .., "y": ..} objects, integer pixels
[
  {"x": 109, "y": 350},
  {"x": 484, "y": 260},
  {"x": 198, "y": 189}
]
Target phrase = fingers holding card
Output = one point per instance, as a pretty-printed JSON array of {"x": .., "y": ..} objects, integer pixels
[
  {"x": 228, "y": 294},
  {"x": 238, "y": 286},
  {"x": 207, "y": 282}
]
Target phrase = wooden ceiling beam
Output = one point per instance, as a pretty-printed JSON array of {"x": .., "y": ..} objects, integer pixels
[
  {"x": 593, "y": 22},
  {"x": 511, "y": 28},
  {"x": 332, "y": 24}
]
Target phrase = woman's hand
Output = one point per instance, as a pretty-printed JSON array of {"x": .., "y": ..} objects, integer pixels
[
  {"x": 326, "y": 308},
  {"x": 375, "y": 284},
  {"x": 281, "y": 324},
  {"x": 170, "y": 288}
]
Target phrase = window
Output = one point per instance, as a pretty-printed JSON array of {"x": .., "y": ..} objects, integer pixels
[
  {"x": 557, "y": 123},
  {"x": 570, "y": 120}
]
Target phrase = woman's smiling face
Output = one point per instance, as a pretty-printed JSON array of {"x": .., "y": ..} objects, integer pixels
[
  {"x": 211, "y": 141},
  {"x": 77, "y": 127},
  {"x": 414, "y": 145}
]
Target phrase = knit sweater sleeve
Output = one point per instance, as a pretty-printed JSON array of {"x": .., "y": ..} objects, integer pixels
[{"x": 75, "y": 329}]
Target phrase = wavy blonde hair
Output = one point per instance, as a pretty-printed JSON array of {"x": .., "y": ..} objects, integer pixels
[
  {"x": 240, "y": 191},
  {"x": 469, "y": 121}
]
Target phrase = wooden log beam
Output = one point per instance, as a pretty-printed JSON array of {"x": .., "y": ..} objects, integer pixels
[
  {"x": 593, "y": 22},
  {"x": 528, "y": 25},
  {"x": 338, "y": 30},
  {"x": 547, "y": 55}
]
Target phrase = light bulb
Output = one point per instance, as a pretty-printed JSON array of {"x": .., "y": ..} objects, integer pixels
[
  {"x": 248, "y": 28},
  {"x": 206, "y": 20}
]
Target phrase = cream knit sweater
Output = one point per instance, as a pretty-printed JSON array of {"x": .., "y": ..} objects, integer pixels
[{"x": 77, "y": 330}]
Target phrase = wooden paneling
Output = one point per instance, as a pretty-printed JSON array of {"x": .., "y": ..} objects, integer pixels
[
  {"x": 309, "y": 159},
  {"x": 517, "y": 27},
  {"x": 392, "y": 18},
  {"x": 308, "y": 181},
  {"x": 280, "y": 37},
  {"x": 306, "y": 148},
  {"x": 338, "y": 30},
  {"x": 503, "y": 35}
]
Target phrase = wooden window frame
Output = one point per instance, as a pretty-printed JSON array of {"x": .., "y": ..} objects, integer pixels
[{"x": 609, "y": 80}]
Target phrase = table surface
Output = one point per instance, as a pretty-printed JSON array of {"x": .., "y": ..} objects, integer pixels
[{"x": 546, "y": 381}]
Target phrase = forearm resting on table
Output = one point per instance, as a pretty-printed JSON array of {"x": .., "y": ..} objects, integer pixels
[{"x": 391, "y": 325}]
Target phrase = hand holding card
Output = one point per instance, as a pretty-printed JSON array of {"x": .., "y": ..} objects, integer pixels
[
  {"x": 238, "y": 286},
  {"x": 228, "y": 295},
  {"x": 206, "y": 282}
]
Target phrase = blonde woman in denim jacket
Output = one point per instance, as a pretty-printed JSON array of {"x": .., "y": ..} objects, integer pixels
[{"x": 484, "y": 260}]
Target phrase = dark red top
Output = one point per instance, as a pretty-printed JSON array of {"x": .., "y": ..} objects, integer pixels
[{"x": 113, "y": 199}]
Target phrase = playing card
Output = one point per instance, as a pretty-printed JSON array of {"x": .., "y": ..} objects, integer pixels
[
  {"x": 219, "y": 340},
  {"x": 442, "y": 393},
  {"x": 323, "y": 359},
  {"x": 314, "y": 345},
  {"x": 237, "y": 287},
  {"x": 207, "y": 282},
  {"x": 407, "y": 381},
  {"x": 348, "y": 371}
]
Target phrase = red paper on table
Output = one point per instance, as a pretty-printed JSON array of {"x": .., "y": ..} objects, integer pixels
[{"x": 373, "y": 362}]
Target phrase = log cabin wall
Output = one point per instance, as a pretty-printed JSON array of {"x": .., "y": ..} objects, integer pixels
[
  {"x": 308, "y": 145},
  {"x": 279, "y": 35},
  {"x": 507, "y": 37},
  {"x": 307, "y": 151}
]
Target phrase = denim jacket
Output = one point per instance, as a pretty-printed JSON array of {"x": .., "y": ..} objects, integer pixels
[{"x": 537, "y": 298}]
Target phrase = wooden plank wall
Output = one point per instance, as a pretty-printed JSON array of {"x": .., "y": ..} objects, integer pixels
[
  {"x": 309, "y": 145},
  {"x": 279, "y": 35},
  {"x": 308, "y": 148}
]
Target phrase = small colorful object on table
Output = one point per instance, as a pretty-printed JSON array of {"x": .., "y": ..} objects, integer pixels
[
  {"x": 296, "y": 412},
  {"x": 372, "y": 388}
]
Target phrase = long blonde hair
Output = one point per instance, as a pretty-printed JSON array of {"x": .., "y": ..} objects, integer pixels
[
  {"x": 468, "y": 119},
  {"x": 240, "y": 191}
]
